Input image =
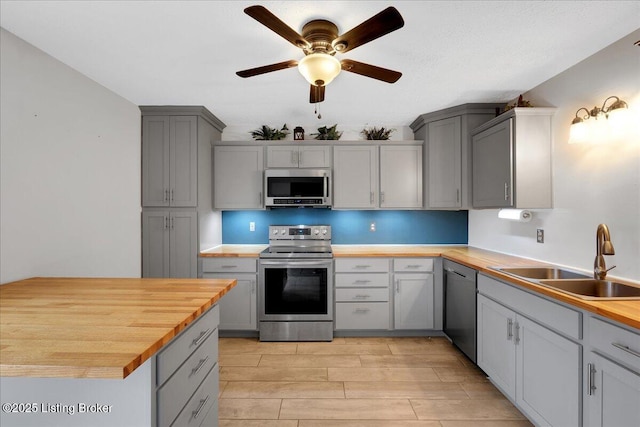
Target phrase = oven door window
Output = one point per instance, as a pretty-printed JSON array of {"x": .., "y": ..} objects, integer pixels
[{"x": 295, "y": 291}]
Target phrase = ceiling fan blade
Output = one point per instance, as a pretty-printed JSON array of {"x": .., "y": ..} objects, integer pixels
[
  {"x": 377, "y": 26},
  {"x": 267, "y": 68},
  {"x": 269, "y": 20},
  {"x": 372, "y": 71},
  {"x": 316, "y": 94}
]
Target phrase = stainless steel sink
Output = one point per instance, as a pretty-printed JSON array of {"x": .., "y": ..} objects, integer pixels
[
  {"x": 594, "y": 289},
  {"x": 542, "y": 273}
]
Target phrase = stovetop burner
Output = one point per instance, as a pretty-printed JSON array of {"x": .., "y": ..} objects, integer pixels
[{"x": 299, "y": 241}]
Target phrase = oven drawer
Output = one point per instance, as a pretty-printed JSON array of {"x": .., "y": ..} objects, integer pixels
[
  {"x": 362, "y": 295},
  {"x": 229, "y": 265},
  {"x": 362, "y": 265},
  {"x": 369, "y": 280},
  {"x": 362, "y": 315}
]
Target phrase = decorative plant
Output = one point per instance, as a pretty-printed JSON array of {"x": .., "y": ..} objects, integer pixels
[
  {"x": 328, "y": 133},
  {"x": 265, "y": 133},
  {"x": 520, "y": 102},
  {"x": 376, "y": 133}
]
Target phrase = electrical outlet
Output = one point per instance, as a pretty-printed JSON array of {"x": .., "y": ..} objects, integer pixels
[
  {"x": 540, "y": 235},
  {"x": 372, "y": 226},
  {"x": 252, "y": 226}
]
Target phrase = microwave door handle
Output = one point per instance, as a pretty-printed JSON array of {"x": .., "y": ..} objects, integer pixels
[{"x": 326, "y": 186}]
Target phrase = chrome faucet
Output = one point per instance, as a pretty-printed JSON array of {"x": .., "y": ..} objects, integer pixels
[{"x": 603, "y": 247}]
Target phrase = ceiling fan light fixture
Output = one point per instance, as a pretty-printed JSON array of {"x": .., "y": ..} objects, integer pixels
[{"x": 319, "y": 68}]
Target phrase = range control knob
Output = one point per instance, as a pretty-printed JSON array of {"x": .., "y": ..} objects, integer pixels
[
  {"x": 283, "y": 231},
  {"x": 316, "y": 231},
  {"x": 324, "y": 231},
  {"x": 275, "y": 231}
]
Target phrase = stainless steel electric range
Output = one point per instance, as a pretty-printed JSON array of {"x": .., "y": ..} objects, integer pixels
[{"x": 296, "y": 284}]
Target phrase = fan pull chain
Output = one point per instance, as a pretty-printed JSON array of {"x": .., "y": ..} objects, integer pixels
[{"x": 318, "y": 111}]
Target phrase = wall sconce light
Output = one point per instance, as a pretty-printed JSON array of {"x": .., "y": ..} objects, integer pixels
[{"x": 606, "y": 121}]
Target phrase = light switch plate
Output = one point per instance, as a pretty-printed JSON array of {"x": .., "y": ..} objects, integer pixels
[{"x": 540, "y": 235}]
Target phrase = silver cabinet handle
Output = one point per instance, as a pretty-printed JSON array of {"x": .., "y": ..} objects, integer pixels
[
  {"x": 260, "y": 198},
  {"x": 458, "y": 196},
  {"x": 202, "y": 404},
  {"x": 166, "y": 222},
  {"x": 359, "y": 282},
  {"x": 253, "y": 286},
  {"x": 172, "y": 194},
  {"x": 360, "y": 296},
  {"x": 362, "y": 266},
  {"x": 382, "y": 197},
  {"x": 506, "y": 191},
  {"x": 509, "y": 329},
  {"x": 361, "y": 310},
  {"x": 517, "y": 335},
  {"x": 625, "y": 348},
  {"x": 200, "y": 365},
  {"x": 166, "y": 194},
  {"x": 171, "y": 221},
  {"x": 371, "y": 197},
  {"x": 228, "y": 266},
  {"x": 397, "y": 286},
  {"x": 591, "y": 387},
  {"x": 413, "y": 266},
  {"x": 201, "y": 337}
]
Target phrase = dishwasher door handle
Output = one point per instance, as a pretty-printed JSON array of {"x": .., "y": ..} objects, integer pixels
[{"x": 451, "y": 270}]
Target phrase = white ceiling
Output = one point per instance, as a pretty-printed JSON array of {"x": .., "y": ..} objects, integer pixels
[{"x": 450, "y": 52}]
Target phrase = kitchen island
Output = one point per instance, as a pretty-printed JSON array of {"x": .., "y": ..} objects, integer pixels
[{"x": 109, "y": 351}]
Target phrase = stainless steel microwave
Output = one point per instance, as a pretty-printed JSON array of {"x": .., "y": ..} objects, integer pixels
[{"x": 297, "y": 188}]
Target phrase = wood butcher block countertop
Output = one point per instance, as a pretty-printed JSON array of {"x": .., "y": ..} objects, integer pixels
[
  {"x": 626, "y": 312},
  {"x": 95, "y": 327}
]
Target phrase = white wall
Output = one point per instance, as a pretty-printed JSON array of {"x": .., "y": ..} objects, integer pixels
[
  {"x": 592, "y": 183},
  {"x": 69, "y": 171}
]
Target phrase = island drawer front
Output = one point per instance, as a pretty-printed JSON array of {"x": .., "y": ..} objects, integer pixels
[
  {"x": 411, "y": 265},
  {"x": 362, "y": 295},
  {"x": 548, "y": 313},
  {"x": 229, "y": 265},
  {"x": 173, "y": 395},
  {"x": 202, "y": 408},
  {"x": 362, "y": 315},
  {"x": 369, "y": 280},
  {"x": 615, "y": 342},
  {"x": 362, "y": 265},
  {"x": 179, "y": 349}
]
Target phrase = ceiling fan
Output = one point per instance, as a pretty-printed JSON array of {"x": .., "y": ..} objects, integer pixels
[{"x": 320, "y": 42}]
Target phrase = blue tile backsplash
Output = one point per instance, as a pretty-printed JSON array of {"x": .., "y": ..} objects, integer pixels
[{"x": 352, "y": 227}]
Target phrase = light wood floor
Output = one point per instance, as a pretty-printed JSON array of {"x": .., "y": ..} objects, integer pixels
[{"x": 357, "y": 382}]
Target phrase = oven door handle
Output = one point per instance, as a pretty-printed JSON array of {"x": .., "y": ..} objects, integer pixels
[{"x": 289, "y": 262}]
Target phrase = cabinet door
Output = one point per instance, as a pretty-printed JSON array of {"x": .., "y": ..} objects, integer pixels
[
  {"x": 493, "y": 167},
  {"x": 155, "y": 244},
  {"x": 496, "y": 349},
  {"x": 314, "y": 156},
  {"x": 444, "y": 147},
  {"x": 282, "y": 156},
  {"x": 614, "y": 400},
  {"x": 155, "y": 161},
  {"x": 401, "y": 176},
  {"x": 183, "y": 240},
  {"x": 413, "y": 301},
  {"x": 238, "y": 177},
  {"x": 355, "y": 177},
  {"x": 183, "y": 157},
  {"x": 548, "y": 375},
  {"x": 238, "y": 308}
]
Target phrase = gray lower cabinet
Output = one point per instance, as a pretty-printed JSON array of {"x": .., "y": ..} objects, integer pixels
[
  {"x": 413, "y": 297},
  {"x": 362, "y": 294},
  {"x": 177, "y": 387},
  {"x": 523, "y": 348},
  {"x": 612, "y": 375},
  {"x": 169, "y": 243},
  {"x": 238, "y": 308},
  {"x": 238, "y": 177}
]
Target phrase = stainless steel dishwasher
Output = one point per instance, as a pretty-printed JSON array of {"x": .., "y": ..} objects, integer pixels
[{"x": 460, "y": 306}]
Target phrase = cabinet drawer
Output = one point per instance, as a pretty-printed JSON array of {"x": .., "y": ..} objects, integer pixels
[
  {"x": 376, "y": 280},
  {"x": 176, "y": 391},
  {"x": 362, "y": 265},
  {"x": 179, "y": 349},
  {"x": 615, "y": 341},
  {"x": 353, "y": 315},
  {"x": 413, "y": 265},
  {"x": 202, "y": 408},
  {"x": 362, "y": 295},
  {"x": 229, "y": 265},
  {"x": 543, "y": 311}
]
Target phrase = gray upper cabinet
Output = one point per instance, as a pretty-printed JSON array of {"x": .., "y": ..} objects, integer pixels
[
  {"x": 401, "y": 176},
  {"x": 238, "y": 175},
  {"x": 169, "y": 161},
  {"x": 355, "y": 177},
  {"x": 291, "y": 156},
  {"x": 447, "y": 153},
  {"x": 512, "y": 160}
]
